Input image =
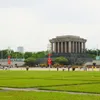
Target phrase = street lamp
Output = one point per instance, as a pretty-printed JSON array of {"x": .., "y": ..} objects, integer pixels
[
  {"x": 49, "y": 55},
  {"x": 9, "y": 58}
]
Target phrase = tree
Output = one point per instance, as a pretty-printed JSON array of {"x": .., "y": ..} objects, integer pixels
[
  {"x": 28, "y": 55},
  {"x": 4, "y": 53},
  {"x": 92, "y": 53},
  {"x": 16, "y": 55},
  {"x": 30, "y": 61},
  {"x": 61, "y": 60},
  {"x": 41, "y": 54}
]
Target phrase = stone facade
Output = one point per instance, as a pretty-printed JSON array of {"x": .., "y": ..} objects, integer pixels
[{"x": 68, "y": 44}]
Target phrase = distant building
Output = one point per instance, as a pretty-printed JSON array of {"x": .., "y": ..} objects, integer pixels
[{"x": 20, "y": 49}]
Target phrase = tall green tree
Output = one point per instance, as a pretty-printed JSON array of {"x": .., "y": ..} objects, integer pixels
[{"x": 27, "y": 55}]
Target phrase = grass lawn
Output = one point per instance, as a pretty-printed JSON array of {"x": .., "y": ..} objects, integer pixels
[
  {"x": 18, "y": 95},
  {"x": 89, "y": 88},
  {"x": 39, "y": 79},
  {"x": 53, "y": 80}
]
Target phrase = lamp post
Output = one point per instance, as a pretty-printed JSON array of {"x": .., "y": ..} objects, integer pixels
[
  {"x": 49, "y": 55},
  {"x": 9, "y": 58}
]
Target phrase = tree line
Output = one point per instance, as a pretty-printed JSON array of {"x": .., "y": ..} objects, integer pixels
[
  {"x": 30, "y": 58},
  {"x": 17, "y": 55},
  {"x": 4, "y": 54},
  {"x": 93, "y": 53}
]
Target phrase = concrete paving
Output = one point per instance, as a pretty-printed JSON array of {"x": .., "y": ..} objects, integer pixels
[{"x": 50, "y": 69}]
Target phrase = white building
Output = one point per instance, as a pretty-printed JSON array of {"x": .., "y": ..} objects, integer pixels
[{"x": 20, "y": 49}]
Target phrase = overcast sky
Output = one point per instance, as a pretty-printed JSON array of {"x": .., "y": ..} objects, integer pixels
[{"x": 31, "y": 23}]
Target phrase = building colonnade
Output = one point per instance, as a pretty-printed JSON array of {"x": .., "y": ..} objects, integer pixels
[{"x": 68, "y": 47}]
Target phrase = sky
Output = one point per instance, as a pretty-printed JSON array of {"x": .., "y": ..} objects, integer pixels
[{"x": 31, "y": 23}]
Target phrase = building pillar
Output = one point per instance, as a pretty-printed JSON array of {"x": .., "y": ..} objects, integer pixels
[
  {"x": 83, "y": 46},
  {"x": 76, "y": 46},
  {"x": 61, "y": 47},
  {"x": 73, "y": 47},
  {"x": 58, "y": 48},
  {"x": 54, "y": 47},
  {"x": 51, "y": 47},
  {"x": 69, "y": 46},
  {"x": 79, "y": 47},
  {"x": 65, "y": 47}
]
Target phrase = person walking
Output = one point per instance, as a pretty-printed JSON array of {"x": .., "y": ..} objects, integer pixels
[
  {"x": 69, "y": 66},
  {"x": 27, "y": 68}
]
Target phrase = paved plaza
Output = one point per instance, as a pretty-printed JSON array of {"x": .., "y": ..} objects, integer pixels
[{"x": 52, "y": 69}]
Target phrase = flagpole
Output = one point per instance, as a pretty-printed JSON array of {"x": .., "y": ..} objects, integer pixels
[
  {"x": 9, "y": 58},
  {"x": 49, "y": 55}
]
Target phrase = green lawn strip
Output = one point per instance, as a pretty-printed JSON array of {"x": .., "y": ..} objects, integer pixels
[
  {"x": 39, "y": 79},
  {"x": 87, "y": 88},
  {"x": 49, "y": 74},
  {"x": 67, "y": 81},
  {"x": 13, "y": 75},
  {"x": 18, "y": 95},
  {"x": 25, "y": 83}
]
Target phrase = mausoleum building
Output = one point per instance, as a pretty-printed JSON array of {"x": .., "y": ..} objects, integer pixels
[{"x": 68, "y": 44}]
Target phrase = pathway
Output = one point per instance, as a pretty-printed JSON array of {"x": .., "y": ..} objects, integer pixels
[{"x": 38, "y": 90}]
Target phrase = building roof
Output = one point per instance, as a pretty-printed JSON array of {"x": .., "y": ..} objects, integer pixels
[{"x": 68, "y": 38}]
